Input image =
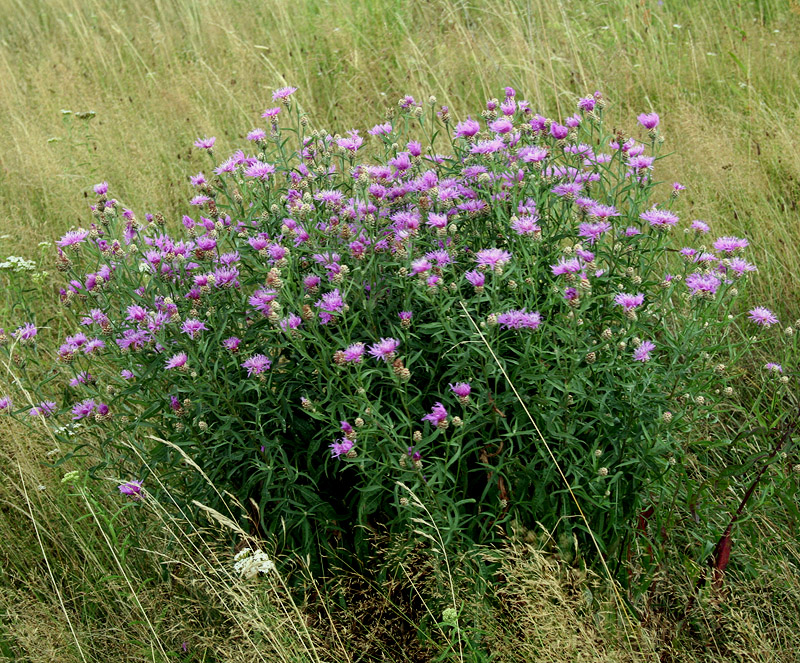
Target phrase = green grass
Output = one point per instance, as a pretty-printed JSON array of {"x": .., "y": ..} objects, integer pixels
[{"x": 725, "y": 78}]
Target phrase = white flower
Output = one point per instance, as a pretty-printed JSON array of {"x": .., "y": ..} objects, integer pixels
[{"x": 250, "y": 563}]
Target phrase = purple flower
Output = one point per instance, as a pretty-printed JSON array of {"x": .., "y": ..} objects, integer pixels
[
  {"x": 101, "y": 189},
  {"x": 283, "y": 93},
  {"x": 476, "y": 278},
  {"x": 25, "y": 333},
  {"x": 526, "y": 225},
  {"x": 93, "y": 345},
  {"x": 44, "y": 409},
  {"x": 385, "y": 349},
  {"x": 232, "y": 343},
  {"x": 730, "y": 244},
  {"x": 341, "y": 448},
  {"x": 648, "y": 120},
  {"x": 131, "y": 488},
  {"x": 466, "y": 129},
  {"x": 632, "y": 231},
  {"x": 257, "y": 364},
  {"x": 775, "y": 368},
  {"x": 271, "y": 113},
  {"x": 352, "y": 143},
  {"x": 492, "y": 258},
  {"x": 703, "y": 285},
  {"x": 199, "y": 200},
  {"x": 437, "y": 417},
  {"x": 642, "y": 353},
  {"x": 353, "y": 353},
  {"x": 261, "y": 299},
  {"x": 83, "y": 409},
  {"x": 405, "y": 316},
  {"x": 192, "y": 327},
  {"x": 487, "y": 146},
  {"x": 205, "y": 143},
  {"x": 629, "y": 302},
  {"x": 5, "y": 403},
  {"x": 519, "y": 319},
  {"x": 593, "y": 231},
  {"x": 260, "y": 170},
  {"x": 558, "y": 131},
  {"x": 73, "y": 237},
  {"x": 330, "y": 304},
  {"x": 566, "y": 266},
  {"x": 659, "y": 218},
  {"x": 763, "y": 316},
  {"x": 699, "y": 227},
  {"x": 462, "y": 390},
  {"x": 381, "y": 129},
  {"x": 126, "y": 374},
  {"x": 257, "y": 134},
  {"x": 291, "y": 322},
  {"x": 176, "y": 361},
  {"x": 501, "y": 126}
]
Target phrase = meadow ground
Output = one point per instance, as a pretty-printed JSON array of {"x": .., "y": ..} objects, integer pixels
[{"x": 95, "y": 90}]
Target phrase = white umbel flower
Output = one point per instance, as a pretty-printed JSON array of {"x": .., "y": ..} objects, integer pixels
[{"x": 249, "y": 563}]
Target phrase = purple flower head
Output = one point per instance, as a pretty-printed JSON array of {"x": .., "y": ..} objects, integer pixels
[
  {"x": 730, "y": 244},
  {"x": 415, "y": 456},
  {"x": 197, "y": 180},
  {"x": 353, "y": 353},
  {"x": 283, "y": 93},
  {"x": 205, "y": 143},
  {"x": 438, "y": 416},
  {"x": 476, "y": 278},
  {"x": 566, "y": 266},
  {"x": 311, "y": 282},
  {"x": 420, "y": 266},
  {"x": 126, "y": 374},
  {"x": 330, "y": 304},
  {"x": 101, "y": 189},
  {"x": 629, "y": 302},
  {"x": 775, "y": 368},
  {"x": 648, "y": 120},
  {"x": 593, "y": 231},
  {"x": 381, "y": 129},
  {"x": 659, "y": 218},
  {"x": 558, "y": 131},
  {"x": 44, "y": 409},
  {"x": 492, "y": 258},
  {"x": 352, "y": 143},
  {"x": 571, "y": 294},
  {"x": 385, "y": 349},
  {"x": 587, "y": 104},
  {"x": 191, "y": 327},
  {"x": 702, "y": 285},
  {"x": 72, "y": 238},
  {"x": 642, "y": 353},
  {"x": 131, "y": 488},
  {"x": 526, "y": 225},
  {"x": 501, "y": 126},
  {"x": 83, "y": 409},
  {"x": 487, "y": 146},
  {"x": 260, "y": 170},
  {"x": 176, "y": 361},
  {"x": 466, "y": 129},
  {"x": 699, "y": 227},
  {"x": 271, "y": 113},
  {"x": 762, "y": 316},
  {"x": 632, "y": 231},
  {"x": 231, "y": 343},
  {"x": 5, "y": 404},
  {"x": 25, "y": 333},
  {"x": 291, "y": 322},
  {"x": 341, "y": 448},
  {"x": 519, "y": 319},
  {"x": 461, "y": 389},
  {"x": 199, "y": 200},
  {"x": 257, "y": 364},
  {"x": 256, "y": 135}
]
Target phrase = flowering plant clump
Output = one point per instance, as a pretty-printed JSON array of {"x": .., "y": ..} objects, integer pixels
[{"x": 340, "y": 315}]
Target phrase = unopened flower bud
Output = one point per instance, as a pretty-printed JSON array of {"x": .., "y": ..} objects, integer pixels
[
  {"x": 667, "y": 417},
  {"x": 602, "y": 472}
]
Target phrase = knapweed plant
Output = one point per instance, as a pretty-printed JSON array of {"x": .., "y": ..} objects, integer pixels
[{"x": 339, "y": 321}]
